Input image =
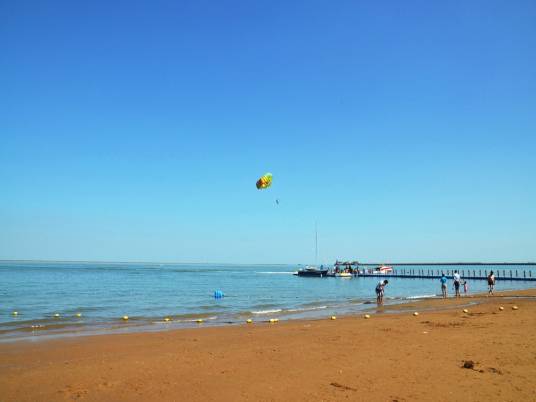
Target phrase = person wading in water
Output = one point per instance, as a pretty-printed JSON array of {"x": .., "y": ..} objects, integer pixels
[
  {"x": 443, "y": 281},
  {"x": 491, "y": 283},
  {"x": 380, "y": 290}
]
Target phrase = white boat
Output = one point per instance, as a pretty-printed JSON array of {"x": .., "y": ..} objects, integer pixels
[{"x": 383, "y": 269}]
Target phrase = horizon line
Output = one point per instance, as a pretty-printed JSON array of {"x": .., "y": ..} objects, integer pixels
[{"x": 246, "y": 263}]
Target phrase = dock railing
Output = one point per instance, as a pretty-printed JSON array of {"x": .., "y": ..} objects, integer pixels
[{"x": 503, "y": 271}]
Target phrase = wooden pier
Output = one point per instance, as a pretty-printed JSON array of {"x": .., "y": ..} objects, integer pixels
[
  {"x": 504, "y": 271},
  {"x": 465, "y": 274}
]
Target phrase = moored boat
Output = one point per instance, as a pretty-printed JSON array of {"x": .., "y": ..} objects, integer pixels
[
  {"x": 383, "y": 269},
  {"x": 344, "y": 275},
  {"x": 312, "y": 272},
  {"x": 334, "y": 274}
]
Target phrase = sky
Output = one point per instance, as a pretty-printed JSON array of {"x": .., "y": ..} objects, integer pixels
[{"x": 136, "y": 130}]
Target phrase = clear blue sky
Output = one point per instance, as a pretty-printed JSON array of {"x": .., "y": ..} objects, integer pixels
[{"x": 135, "y": 131}]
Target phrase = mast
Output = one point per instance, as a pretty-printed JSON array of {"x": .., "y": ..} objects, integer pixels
[{"x": 316, "y": 243}]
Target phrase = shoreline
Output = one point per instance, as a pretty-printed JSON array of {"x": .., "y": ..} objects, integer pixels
[
  {"x": 394, "y": 305},
  {"x": 391, "y": 356}
]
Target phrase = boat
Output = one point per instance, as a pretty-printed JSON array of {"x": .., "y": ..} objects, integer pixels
[
  {"x": 312, "y": 271},
  {"x": 344, "y": 275},
  {"x": 340, "y": 274},
  {"x": 383, "y": 269}
]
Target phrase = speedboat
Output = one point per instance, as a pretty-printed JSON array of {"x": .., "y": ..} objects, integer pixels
[
  {"x": 340, "y": 274},
  {"x": 312, "y": 272},
  {"x": 344, "y": 275}
]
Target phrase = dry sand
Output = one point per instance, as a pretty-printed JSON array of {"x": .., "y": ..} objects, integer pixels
[{"x": 389, "y": 357}]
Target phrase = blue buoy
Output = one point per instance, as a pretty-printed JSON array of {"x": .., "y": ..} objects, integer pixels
[{"x": 218, "y": 294}]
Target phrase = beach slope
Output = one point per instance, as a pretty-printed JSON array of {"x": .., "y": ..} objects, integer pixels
[{"x": 389, "y": 357}]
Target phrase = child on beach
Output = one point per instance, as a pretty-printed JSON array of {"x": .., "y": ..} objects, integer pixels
[
  {"x": 379, "y": 291},
  {"x": 457, "y": 280},
  {"x": 465, "y": 288},
  {"x": 491, "y": 283},
  {"x": 443, "y": 281}
]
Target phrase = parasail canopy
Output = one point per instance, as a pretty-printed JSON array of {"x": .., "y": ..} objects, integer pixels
[{"x": 264, "y": 182}]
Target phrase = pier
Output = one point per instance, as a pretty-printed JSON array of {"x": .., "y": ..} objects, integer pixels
[{"x": 503, "y": 271}]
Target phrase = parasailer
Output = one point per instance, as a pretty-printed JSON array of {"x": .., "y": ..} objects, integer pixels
[{"x": 264, "y": 182}]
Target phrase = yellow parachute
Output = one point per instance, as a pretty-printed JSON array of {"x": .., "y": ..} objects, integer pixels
[{"x": 264, "y": 182}]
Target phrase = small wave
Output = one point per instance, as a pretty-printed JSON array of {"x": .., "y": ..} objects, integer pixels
[
  {"x": 294, "y": 310},
  {"x": 419, "y": 297},
  {"x": 276, "y": 272},
  {"x": 213, "y": 307},
  {"x": 196, "y": 319},
  {"x": 273, "y": 311}
]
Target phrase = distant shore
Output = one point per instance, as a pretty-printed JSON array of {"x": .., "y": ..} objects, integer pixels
[
  {"x": 388, "y": 357},
  {"x": 491, "y": 263}
]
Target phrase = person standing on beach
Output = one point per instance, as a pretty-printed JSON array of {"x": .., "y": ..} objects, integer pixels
[
  {"x": 465, "y": 288},
  {"x": 457, "y": 280},
  {"x": 443, "y": 281},
  {"x": 491, "y": 283},
  {"x": 380, "y": 290}
]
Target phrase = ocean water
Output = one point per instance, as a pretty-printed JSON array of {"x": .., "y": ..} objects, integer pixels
[{"x": 105, "y": 292}]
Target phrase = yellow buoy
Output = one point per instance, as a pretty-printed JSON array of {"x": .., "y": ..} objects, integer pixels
[
  {"x": 333, "y": 317},
  {"x": 249, "y": 320},
  {"x": 273, "y": 320},
  {"x": 366, "y": 316},
  {"x": 501, "y": 308},
  {"x": 465, "y": 310},
  {"x": 125, "y": 317},
  {"x": 514, "y": 307},
  {"x": 199, "y": 320},
  {"x": 79, "y": 314},
  {"x": 167, "y": 319},
  {"x": 15, "y": 313},
  {"x": 415, "y": 314}
]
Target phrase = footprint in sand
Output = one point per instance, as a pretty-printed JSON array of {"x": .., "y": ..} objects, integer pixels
[{"x": 74, "y": 393}]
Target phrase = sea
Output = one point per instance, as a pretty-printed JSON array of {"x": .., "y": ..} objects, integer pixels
[{"x": 54, "y": 299}]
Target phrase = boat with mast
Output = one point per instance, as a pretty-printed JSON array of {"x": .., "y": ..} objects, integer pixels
[{"x": 313, "y": 270}]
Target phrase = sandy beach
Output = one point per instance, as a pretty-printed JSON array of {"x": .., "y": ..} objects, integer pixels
[{"x": 393, "y": 356}]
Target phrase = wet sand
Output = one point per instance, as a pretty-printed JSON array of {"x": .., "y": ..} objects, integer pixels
[{"x": 389, "y": 357}]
